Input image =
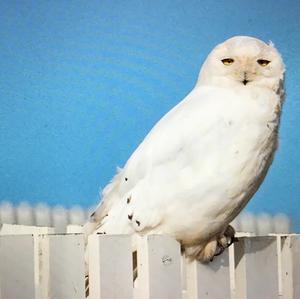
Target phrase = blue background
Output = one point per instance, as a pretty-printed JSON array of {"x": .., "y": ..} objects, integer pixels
[{"x": 82, "y": 82}]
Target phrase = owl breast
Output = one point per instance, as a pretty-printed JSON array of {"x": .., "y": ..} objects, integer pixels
[
  {"x": 198, "y": 166},
  {"x": 230, "y": 161}
]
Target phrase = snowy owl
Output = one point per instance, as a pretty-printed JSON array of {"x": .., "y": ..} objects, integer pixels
[{"x": 203, "y": 161}]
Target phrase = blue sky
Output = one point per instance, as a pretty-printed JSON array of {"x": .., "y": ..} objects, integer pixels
[{"x": 82, "y": 82}]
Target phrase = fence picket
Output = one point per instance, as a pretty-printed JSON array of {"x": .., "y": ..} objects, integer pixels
[
  {"x": 159, "y": 268},
  {"x": 42, "y": 215},
  {"x": 74, "y": 229},
  {"x": 38, "y": 265},
  {"x": 281, "y": 224},
  {"x": 110, "y": 267},
  {"x": 7, "y": 212},
  {"x": 17, "y": 267},
  {"x": 60, "y": 219},
  {"x": 256, "y": 268},
  {"x": 209, "y": 280},
  {"x": 77, "y": 215},
  {"x": 62, "y": 265},
  {"x": 290, "y": 266},
  {"x": 14, "y": 229},
  {"x": 295, "y": 248},
  {"x": 24, "y": 213}
]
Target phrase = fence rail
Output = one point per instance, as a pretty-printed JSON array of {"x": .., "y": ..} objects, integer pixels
[{"x": 37, "y": 264}]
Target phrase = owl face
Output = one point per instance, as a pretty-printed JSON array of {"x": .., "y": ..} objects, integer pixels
[{"x": 243, "y": 61}]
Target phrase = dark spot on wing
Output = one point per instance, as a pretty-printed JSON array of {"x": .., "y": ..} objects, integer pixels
[
  {"x": 128, "y": 200},
  {"x": 130, "y": 217},
  {"x": 138, "y": 222},
  {"x": 126, "y": 179}
]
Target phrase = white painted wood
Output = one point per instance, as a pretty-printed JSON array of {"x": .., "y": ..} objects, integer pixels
[
  {"x": 24, "y": 214},
  {"x": 60, "y": 219},
  {"x": 290, "y": 266},
  {"x": 37, "y": 254},
  {"x": 44, "y": 270},
  {"x": 183, "y": 263},
  {"x": 256, "y": 273},
  {"x": 35, "y": 231},
  {"x": 58, "y": 216},
  {"x": 295, "y": 248},
  {"x": 16, "y": 229},
  {"x": 7, "y": 212},
  {"x": 244, "y": 234},
  {"x": 248, "y": 223},
  {"x": 231, "y": 256},
  {"x": 281, "y": 224},
  {"x": 110, "y": 267},
  {"x": 74, "y": 229},
  {"x": 279, "y": 242},
  {"x": 159, "y": 268},
  {"x": 210, "y": 280},
  {"x": 52, "y": 267},
  {"x": 77, "y": 215},
  {"x": 264, "y": 224},
  {"x": 62, "y": 267},
  {"x": 17, "y": 267},
  {"x": 42, "y": 215}
]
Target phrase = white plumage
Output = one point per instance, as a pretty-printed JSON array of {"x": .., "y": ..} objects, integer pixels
[{"x": 203, "y": 161}]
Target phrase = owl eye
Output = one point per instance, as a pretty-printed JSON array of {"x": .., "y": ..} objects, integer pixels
[
  {"x": 263, "y": 62},
  {"x": 227, "y": 61}
]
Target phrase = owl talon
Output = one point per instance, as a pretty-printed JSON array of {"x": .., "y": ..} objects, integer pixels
[
  {"x": 232, "y": 240},
  {"x": 225, "y": 240},
  {"x": 220, "y": 250}
]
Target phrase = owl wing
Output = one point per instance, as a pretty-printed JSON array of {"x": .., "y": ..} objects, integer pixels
[{"x": 160, "y": 168}]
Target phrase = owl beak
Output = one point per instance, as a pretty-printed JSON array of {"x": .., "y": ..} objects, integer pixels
[{"x": 245, "y": 80}]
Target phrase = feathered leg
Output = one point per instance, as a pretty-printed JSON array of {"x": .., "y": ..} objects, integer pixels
[{"x": 205, "y": 252}]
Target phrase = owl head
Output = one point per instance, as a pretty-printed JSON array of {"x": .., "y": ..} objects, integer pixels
[{"x": 245, "y": 62}]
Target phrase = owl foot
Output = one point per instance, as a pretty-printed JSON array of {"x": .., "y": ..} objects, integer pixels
[
  {"x": 225, "y": 240},
  {"x": 202, "y": 253},
  {"x": 206, "y": 252}
]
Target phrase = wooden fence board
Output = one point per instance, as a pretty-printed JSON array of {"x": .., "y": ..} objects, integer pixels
[
  {"x": 17, "y": 267},
  {"x": 256, "y": 273},
  {"x": 290, "y": 266},
  {"x": 62, "y": 267},
  {"x": 37, "y": 265},
  {"x": 210, "y": 280},
  {"x": 159, "y": 268},
  {"x": 110, "y": 267}
]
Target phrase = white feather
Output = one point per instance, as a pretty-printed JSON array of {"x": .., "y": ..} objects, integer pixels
[{"x": 203, "y": 161}]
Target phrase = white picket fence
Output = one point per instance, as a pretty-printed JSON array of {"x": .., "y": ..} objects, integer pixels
[
  {"x": 59, "y": 217},
  {"x": 36, "y": 264}
]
